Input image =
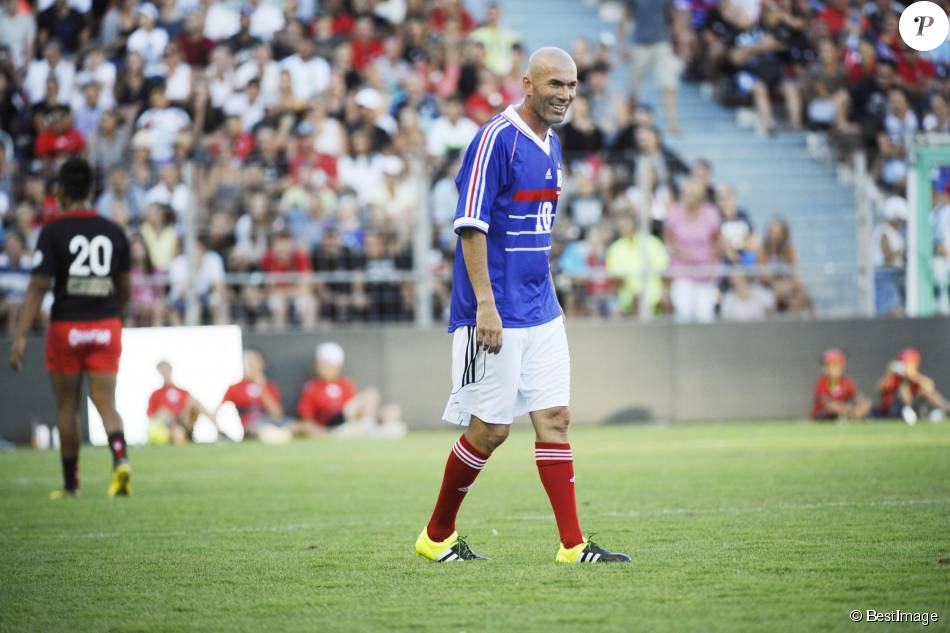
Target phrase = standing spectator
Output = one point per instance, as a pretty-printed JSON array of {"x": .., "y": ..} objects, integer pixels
[
  {"x": 889, "y": 252},
  {"x": 497, "y": 40},
  {"x": 836, "y": 397},
  {"x": 289, "y": 297},
  {"x": 692, "y": 235},
  {"x": 653, "y": 50},
  {"x": 637, "y": 260},
  {"x": 60, "y": 140},
  {"x": 17, "y": 33},
  {"x": 149, "y": 40}
]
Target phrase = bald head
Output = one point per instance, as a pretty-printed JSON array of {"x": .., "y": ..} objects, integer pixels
[{"x": 550, "y": 86}]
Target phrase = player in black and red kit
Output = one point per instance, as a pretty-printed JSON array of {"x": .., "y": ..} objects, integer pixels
[{"x": 85, "y": 258}]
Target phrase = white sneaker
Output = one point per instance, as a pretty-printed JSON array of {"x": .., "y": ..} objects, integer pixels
[{"x": 909, "y": 415}]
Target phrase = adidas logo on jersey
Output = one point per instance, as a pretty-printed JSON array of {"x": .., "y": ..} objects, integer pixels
[{"x": 547, "y": 176}]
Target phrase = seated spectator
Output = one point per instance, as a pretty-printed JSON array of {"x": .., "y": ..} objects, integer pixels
[
  {"x": 746, "y": 299},
  {"x": 779, "y": 252},
  {"x": 170, "y": 191},
  {"x": 580, "y": 133},
  {"x": 889, "y": 255},
  {"x": 149, "y": 40},
  {"x": 208, "y": 284},
  {"x": 825, "y": 88},
  {"x": 15, "y": 267},
  {"x": 740, "y": 244},
  {"x": 836, "y": 397},
  {"x": 158, "y": 233},
  {"x": 147, "y": 306},
  {"x": 899, "y": 124},
  {"x": 88, "y": 107},
  {"x": 338, "y": 300},
  {"x": 330, "y": 401},
  {"x": 54, "y": 66},
  {"x": 60, "y": 139},
  {"x": 108, "y": 145},
  {"x": 627, "y": 261},
  {"x": 692, "y": 236},
  {"x": 907, "y": 393},
  {"x": 163, "y": 123},
  {"x": 289, "y": 297},
  {"x": 451, "y": 132},
  {"x": 589, "y": 289},
  {"x": 172, "y": 411},
  {"x": 258, "y": 402}
]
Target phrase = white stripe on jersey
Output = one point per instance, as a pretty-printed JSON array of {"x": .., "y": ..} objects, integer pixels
[
  {"x": 527, "y": 232},
  {"x": 488, "y": 149},
  {"x": 540, "y": 248}
]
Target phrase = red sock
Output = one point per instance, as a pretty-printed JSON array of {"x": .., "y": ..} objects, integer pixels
[
  {"x": 464, "y": 463},
  {"x": 556, "y": 467},
  {"x": 117, "y": 446}
]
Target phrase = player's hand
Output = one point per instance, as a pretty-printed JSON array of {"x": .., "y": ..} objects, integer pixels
[
  {"x": 488, "y": 328},
  {"x": 16, "y": 353}
]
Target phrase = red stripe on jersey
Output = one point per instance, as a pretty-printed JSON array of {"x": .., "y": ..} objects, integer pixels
[
  {"x": 470, "y": 206},
  {"x": 83, "y": 213},
  {"x": 536, "y": 195}
]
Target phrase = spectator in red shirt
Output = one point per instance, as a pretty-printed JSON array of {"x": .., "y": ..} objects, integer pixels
[
  {"x": 195, "y": 47},
  {"x": 452, "y": 10},
  {"x": 836, "y": 397},
  {"x": 60, "y": 139},
  {"x": 365, "y": 46},
  {"x": 288, "y": 297},
  {"x": 172, "y": 412},
  {"x": 331, "y": 401},
  {"x": 258, "y": 402},
  {"x": 907, "y": 393}
]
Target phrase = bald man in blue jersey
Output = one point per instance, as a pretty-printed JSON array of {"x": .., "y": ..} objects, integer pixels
[{"x": 509, "y": 353}]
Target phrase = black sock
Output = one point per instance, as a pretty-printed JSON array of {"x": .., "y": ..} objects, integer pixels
[
  {"x": 117, "y": 446},
  {"x": 70, "y": 473}
]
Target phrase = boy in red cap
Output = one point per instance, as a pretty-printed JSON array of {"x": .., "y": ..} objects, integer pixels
[
  {"x": 907, "y": 393},
  {"x": 836, "y": 397}
]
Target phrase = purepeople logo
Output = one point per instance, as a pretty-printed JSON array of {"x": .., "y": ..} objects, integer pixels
[{"x": 924, "y": 26}]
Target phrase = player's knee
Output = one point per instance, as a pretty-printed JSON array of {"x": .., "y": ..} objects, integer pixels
[
  {"x": 559, "y": 419},
  {"x": 491, "y": 436}
]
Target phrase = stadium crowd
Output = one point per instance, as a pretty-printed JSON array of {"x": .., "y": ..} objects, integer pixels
[{"x": 311, "y": 125}]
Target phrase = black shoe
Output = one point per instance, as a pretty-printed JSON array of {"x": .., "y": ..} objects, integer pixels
[{"x": 590, "y": 553}]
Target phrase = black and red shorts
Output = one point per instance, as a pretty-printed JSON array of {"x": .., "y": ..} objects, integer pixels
[{"x": 76, "y": 346}]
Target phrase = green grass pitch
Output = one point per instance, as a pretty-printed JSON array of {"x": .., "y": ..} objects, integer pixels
[{"x": 732, "y": 527}]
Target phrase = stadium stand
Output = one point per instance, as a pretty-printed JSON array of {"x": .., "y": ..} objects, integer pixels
[{"x": 276, "y": 152}]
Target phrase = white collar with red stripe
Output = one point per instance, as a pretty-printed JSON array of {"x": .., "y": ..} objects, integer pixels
[{"x": 511, "y": 113}]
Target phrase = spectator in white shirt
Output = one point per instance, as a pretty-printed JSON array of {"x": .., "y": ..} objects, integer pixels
[
  {"x": 99, "y": 69},
  {"x": 451, "y": 132},
  {"x": 311, "y": 74},
  {"x": 208, "y": 282},
  {"x": 222, "y": 21},
  {"x": 266, "y": 19},
  {"x": 148, "y": 40},
  {"x": 163, "y": 123},
  {"x": 18, "y": 33},
  {"x": 88, "y": 107},
  {"x": 263, "y": 68},
  {"x": 361, "y": 170},
  {"x": 177, "y": 75},
  {"x": 746, "y": 300},
  {"x": 52, "y": 64},
  {"x": 249, "y": 105},
  {"x": 221, "y": 76},
  {"x": 889, "y": 253},
  {"x": 170, "y": 191}
]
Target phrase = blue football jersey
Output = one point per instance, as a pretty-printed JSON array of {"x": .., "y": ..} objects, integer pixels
[{"x": 509, "y": 185}]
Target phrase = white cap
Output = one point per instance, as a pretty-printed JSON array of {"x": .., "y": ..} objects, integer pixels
[
  {"x": 895, "y": 208},
  {"x": 149, "y": 10},
  {"x": 331, "y": 353},
  {"x": 369, "y": 98}
]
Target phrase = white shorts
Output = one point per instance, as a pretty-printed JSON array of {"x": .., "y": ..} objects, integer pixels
[{"x": 531, "y": 372}]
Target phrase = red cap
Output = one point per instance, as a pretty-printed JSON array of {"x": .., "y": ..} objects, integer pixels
[
  {"x": 834, "y": 356},
  {"x": 909, "y": 356}
]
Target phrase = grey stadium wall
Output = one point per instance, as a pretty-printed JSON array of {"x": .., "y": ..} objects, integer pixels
[{"x": 620, "y": 371}]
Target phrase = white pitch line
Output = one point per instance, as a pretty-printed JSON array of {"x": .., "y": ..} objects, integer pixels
[{"x": 883, "y": 503}]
